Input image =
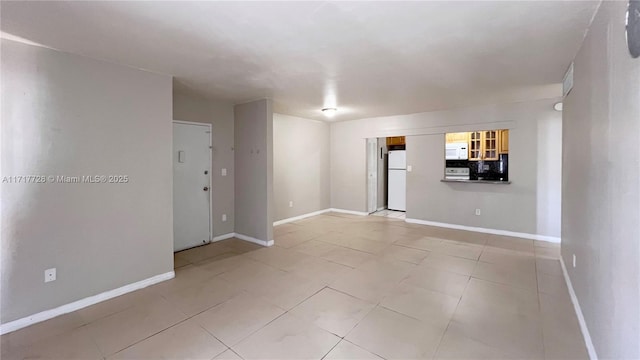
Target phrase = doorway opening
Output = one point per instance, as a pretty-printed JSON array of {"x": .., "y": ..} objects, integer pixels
[{"x": 386, "y": 176}]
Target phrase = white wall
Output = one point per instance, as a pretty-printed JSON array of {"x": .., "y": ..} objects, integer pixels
[
  {"x": 515, "y": 207},
  {"x": 300, "y": 166},
  {"x": 187, "y": 107},
  {"x": 64, "y": 114},
  {"x": 549, "y": 175},
  {"x": 601, "y": 185},
  {"x": 253, "y": 134}
]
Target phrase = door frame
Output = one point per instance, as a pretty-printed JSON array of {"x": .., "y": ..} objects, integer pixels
[
  {"x": 372, "y": 160},
  {"x": 210, "y": 126}
]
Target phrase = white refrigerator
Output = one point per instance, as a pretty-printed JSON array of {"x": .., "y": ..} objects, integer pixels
[{"x": 397, "y": 180}]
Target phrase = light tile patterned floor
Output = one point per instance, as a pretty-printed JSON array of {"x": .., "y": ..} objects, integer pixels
[
  {"x": 390, "y": 213},
  {"x": 335, "y": 287}
]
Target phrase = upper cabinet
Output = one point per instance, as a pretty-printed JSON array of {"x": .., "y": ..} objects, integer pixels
[
  {"x": 459, "y": 137},
  {"x": 395, "y": 140},
  {"x": 503, "y": 143},
  {"x": 487, "y": 145},
  {"x": 475, "y": 145},
  {"x": 490, "y": 145}
]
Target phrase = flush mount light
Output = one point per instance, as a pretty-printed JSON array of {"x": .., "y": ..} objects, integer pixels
[
  {"x": 557, "y": 106},
  {"x": 329, "y": 112}
]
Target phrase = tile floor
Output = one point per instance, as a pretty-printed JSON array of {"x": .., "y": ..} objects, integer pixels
[
  {"x": 334, "y": 287},
  {"x": 391, "y": 214}
]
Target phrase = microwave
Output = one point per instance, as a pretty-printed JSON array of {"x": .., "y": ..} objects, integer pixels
[{"x": 456, "y": 151}]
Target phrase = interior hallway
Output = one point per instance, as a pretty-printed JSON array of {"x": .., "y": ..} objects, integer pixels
[{"x": 334, "y": 286}]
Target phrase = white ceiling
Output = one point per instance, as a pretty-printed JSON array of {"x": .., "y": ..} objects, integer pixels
[{"x": 366, "y": 58}]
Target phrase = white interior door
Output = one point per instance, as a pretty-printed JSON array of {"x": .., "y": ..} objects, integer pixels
[
  {"x": 191, "y": 185},
  {"x": 372, "y": 175}
]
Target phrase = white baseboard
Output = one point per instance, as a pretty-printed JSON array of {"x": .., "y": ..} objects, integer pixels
[
  {"x": 381, "y": 208},
  {"x": 254, "y": 240},
  {"x": 243, "y": 237},
  {"x": 223, "y": 237},
  {"x": 361, "y": 213},
  {"x": 576, "y": 306},
  {"x": 82, "y": 303},
  {"x": 546, "y": 238},
  {"x": 300, "y": 217}
]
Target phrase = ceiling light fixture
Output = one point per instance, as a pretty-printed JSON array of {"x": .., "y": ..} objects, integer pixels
[
  {"x": 557, "y": 106},
  {"x": 329, "y": 112}
]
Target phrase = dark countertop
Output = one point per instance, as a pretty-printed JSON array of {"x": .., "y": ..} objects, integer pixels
[{"x": 495, "y": 182}]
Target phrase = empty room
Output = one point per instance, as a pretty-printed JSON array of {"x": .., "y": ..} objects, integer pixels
[{"x": 320, "y": 180}]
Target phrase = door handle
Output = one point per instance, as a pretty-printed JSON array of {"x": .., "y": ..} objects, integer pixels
[{"x": 206, "y": 188}]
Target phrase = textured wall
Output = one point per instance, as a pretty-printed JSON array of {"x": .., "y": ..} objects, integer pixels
[
  {"x": 522, "y": 206},
  {"x": 64, "y": 114},
  {"x": 601, "y": 185},
  {"x": 300, "y": 166},
  {"x": 253, "y": 134},
  {"x": 220, "y": 114}
]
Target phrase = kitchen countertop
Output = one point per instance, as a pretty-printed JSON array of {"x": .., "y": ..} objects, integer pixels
[{"x": 496, "y": 182}]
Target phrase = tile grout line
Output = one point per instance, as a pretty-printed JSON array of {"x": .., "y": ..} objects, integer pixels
[
  {"x": 544, "y": 348},
  {"x": 255, "y": 331},
  {"x": 152, "y": 335},
  {"x": 377, "y": 305},
  {"x": 456, "y": 309},
  {"x": 333, "y": 347},
  {"x": 279, "y": 316},
  {"x": 188, "y": 317},
  {"x": 184, "y": 320}
]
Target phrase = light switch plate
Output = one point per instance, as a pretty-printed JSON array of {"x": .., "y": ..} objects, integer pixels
[
  {"x": 224, "y": 172},
  {"x": 224, "y": 217},
  {"x": 409, "y": 168}
]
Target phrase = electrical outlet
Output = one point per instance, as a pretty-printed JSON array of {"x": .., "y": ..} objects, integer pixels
[
  {"x": 478, "y": 212},
  {"x": 290, "y": 203},
  {"x": 574, "y": 260},
  {"x": 224, "y": 172},
  {"x": 224, "y": 217},
  {"x": 50, "y": 275}
]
